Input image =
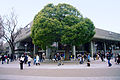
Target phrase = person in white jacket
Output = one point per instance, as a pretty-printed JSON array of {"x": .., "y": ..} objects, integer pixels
[
  {"x": 29, "y": 60},
  {"x": 37, "y": 60}
]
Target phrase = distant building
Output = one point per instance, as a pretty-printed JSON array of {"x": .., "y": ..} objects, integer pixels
[{"x": 102, "y": 41}]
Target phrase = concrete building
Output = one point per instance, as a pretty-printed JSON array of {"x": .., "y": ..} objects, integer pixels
[{"x": 102, "y": 41}]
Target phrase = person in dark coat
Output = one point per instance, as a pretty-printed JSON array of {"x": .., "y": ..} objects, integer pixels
[
  {"x": 59, "y": 59},
  {"x": 109, "y": 58},
  {"x": 118, "y": 59},
  {"x": 25, "y": 59},
  {"x": 94, "y": 56},
  {"x": 3, "y": 59},
  {"x": 21, "y": 62},
  {"x": 102, "y": 56}
]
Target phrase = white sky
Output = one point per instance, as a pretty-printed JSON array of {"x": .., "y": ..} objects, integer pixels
[{"x": 105, "y": 14}]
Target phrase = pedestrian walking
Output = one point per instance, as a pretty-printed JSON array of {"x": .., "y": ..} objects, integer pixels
[
  {"x": 80, "y": 59},
  {"x": 101, "y": 56},
  {"x": 109, "y": 58},
  {"x": 50, "y": 58},
  {"x": 59, "y": 59},
  {"x": 43, "y": 56},
  {"x": 37, "y": 60},
  {"x": 88, "y": 62},
  {"x": 34, "y": 61},
  {"x": 85, "y": 56},
  {"x": 118, "y": 59},
  {"x": 94, "y": 56},
  {"x": 3, "y": 59},
  {"x": 8, "y": 60},
  {"x": 21, "y": 62},
  {"x": 25, "y": 59},
  {"x": 55, "y": 57},
  {"x": 29, "y": 60},
  {"x": 88, "y": 57},
  {"x": 62, "y": 59}
]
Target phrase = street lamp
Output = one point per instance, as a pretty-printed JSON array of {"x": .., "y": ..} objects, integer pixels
[
  {"x": 95, "y": 48},
  {"x": 112, "y": 47},
  {"x": 26, "y": 47}
]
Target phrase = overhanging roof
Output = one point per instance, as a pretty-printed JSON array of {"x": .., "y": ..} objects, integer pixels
[
  {"x": 108, "y": 35},
  {"x": 100, "y": 34}
]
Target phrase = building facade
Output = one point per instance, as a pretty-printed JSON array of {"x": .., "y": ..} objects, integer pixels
[{"x": 103, "y": 41}]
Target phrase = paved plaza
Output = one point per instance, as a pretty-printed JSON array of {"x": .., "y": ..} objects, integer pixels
[{"x": 71, "y": 70}]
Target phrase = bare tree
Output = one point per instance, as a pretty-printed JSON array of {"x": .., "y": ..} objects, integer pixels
[
  {"x": 8, "y": 24},
  {"x": 1, "y": 28},
  {"x": 1, "y": 46}
]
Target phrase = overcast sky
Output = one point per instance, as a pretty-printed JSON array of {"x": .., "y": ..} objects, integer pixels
[{"x": 105, "y": 14}]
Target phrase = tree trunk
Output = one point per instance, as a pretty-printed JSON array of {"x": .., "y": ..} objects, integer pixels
[
  {"x": 12, "y": 47},
  {"x": 13, "y": 51},
  {"x": 67, "y": 52}
]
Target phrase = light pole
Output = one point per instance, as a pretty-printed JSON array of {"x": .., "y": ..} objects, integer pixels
[
  {"x": 112, "y": 48},
  {"x": 26, "y": 47},
  {"x": 95, "y": 48}
]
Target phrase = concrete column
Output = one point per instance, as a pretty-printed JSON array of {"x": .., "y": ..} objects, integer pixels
[
  {"x": 47, "y": 52},
  {"x": 10, "y": 51},
  {"x": 34, "y": 50},
  {"x": 104, "y": 47},
  {"x": 74, "y": 52},
  {"x": 92, "y": 49},
  {"x": 112, "y": 48},
  {"x": 57, "y": 45}
]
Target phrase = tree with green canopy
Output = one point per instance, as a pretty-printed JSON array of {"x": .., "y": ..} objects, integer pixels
[
  {"x": 79, "y": 33},
  {"x": 45, "y": 31},
  {"x": 61, "y": 23}
]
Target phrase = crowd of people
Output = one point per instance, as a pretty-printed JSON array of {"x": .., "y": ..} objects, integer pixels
[
  {"x": 8, "y": 58},
  {"x": 83, "y": 57},
  {"x": 108, "y": 56},
  {"x": 25, "y": 59},
  {"x": 58, "y": 57}
]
